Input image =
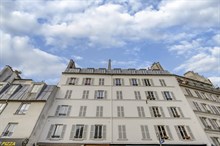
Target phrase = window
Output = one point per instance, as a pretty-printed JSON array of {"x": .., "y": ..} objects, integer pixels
[
  {"x": 72, "y": 81},
  {"x": 175, "y": 112},
  {"x": 99, "y": 111},
  {"x": 98, "y": 132},
  {"x": 119, "y": 95},
  {"x": 204, "y": 96},
  {"x": 87, "y": 81},
  {"x": 122, "y": 132},
  {"x": 145, "y": 132},
  {"x": 2, "y": 107},
  {"x": 216, "y": 140},
  {"x": 140, "y": 110},
  {"x": 120, "y": 111},
  {"x": 147, "y": 82},
  {"x": 56, "y": 131},
  {"x": 9, "y": 130},
  {"x": 36, "y": 88},
  {"x": 137, "y": 95},
  {"x": 151, "y": 95},
  {"x": 184, "y": 132},
  {"x": 101, "y": 81},
  {"x": 78, "y": 131},
  {"x": 215, "y": 109},
  {"x": 12, "y": 89},
  {"x": 162, "y": 82},
  {"x": 205, "y": 123},
  {"x": 68, "y": 94},
  {"x": 85, "y": 94},
  {"x": 214, "y": 124},
  {"x": 100, "y": 94},
  {"x": 206, "y": 107},
  {"x": 133, "y": 82},
  {"x": 198, "y": 94},
  {"x": 82, "y": 111},
  {"x": 63, "y": 110},
  {"x": 118, "y": 82},
  {"x": 168, "y": 95},
  {"x": 196, "y": 105},
  {"x": 188, "y": 92},
  {"x": 156, "y": 111},
  {"x": 23, "y": 108},
  {"x": 163, "y": 131}
]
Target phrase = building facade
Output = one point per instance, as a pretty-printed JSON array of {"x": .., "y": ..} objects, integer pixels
[
  {"x": 120, "y": 107},
  {"x": 204, "y": 99},
  {"x": 22, "y": 108}
]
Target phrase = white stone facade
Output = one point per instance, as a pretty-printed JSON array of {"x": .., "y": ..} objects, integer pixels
[{"x": 93, "y": 107}]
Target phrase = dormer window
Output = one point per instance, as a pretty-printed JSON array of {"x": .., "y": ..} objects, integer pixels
[{"x": 36, "y": 88}]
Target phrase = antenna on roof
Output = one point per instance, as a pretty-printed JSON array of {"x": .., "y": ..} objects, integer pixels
[{"x": 109, "y": 64}]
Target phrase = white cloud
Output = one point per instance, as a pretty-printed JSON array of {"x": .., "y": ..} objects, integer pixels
[
  {"x": 17, "y": 52},
  {"x": 215, "y": 80},
  {"x": 203, "y": 62},
  {"x": 106, "y": 23},
  {"x": 75, "y": 57}
]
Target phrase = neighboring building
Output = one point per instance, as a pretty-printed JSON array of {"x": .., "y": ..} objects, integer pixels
[
  {"x": 22, "y": 108},
  {"x": 204, "y": 99},
  {"x": 120, "y": 107}
]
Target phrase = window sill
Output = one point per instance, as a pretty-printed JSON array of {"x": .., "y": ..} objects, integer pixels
[{"x": 124, "y": 139}]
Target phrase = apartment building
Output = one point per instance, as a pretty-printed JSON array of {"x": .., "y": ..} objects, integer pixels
[
  {"x": 204, "y": 99},
  {"x": 117, "y": 106},
  {"x": 22, "y": 108}
]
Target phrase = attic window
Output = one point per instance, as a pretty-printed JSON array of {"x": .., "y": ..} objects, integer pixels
[{"x": 35, "y": 89}]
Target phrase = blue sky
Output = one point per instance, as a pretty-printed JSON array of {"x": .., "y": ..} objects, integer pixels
[{"x": 38, "y": 37}]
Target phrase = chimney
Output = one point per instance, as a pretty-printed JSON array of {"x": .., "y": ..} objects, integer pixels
[
  {"x": 109, "y": 64},
  {"x": 71, "y": 64}
]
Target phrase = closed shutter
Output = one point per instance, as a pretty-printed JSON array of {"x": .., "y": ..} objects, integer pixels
[
  {"x": 164, "y": 97},
  {"x": 66, "y": 95},
  {"x": 50, "y": 131},
  {"x": 57, "y": 111},
  {"x": 156, "y": 129},
  {"x": 92, "y": 131},
  {"x": 144, "y": 136},
  {"x": 178, "y": 133},
  {"x": 76, "y": 81},
  {"x": 104, "y": 132},
  {"x": 67, "y": 81},
  {"x": 69, "y": 109},
  {"x": 120, "y": 131},
  {"x": 70, "y": 93},
  {"x": 83, "y": 82},
  {"x": 84, "y": 111},
  {"x": 130, "y": 80},
  {"x": 114, "y": 82},
  {"x": 139, "y": 82},
  {"x": 72, "y": 131},
  {"x": 169, "y": 132},
  {"x": 143, "y": 82},
  {"x": 162, "y": 113},
  {"x": 151, "y": 82},
  {"x": 85, "y": 131},
  {"x": 95, "y": 95},
  {"x": 156, "y": 95},
  {"x": 180, "y": 111},
  {"x": 105, "y": 94},
  {"x": 122, "y": 82},
  {"x": 151, "y": 112},
  {"x": 170, "y": 112},
  {"x": 173, "y": 96},
  {"x": 147, "y": 132},
  {"x": 139, "y": 111},
  {"x": 190, "y": 133},
  {"x": 63, "y": 131},
  {"x": 92, "y": 81}
]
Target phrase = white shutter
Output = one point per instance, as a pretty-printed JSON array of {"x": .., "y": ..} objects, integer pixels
[
  {"x": 169, "y": 132},
  {"x": 69, "y": 109},
  {"x": 170, "y": 112},
  {"x": 161, "y": 111},
  {"x": 95, "y": 96},
  {"x": 70, "y": 93},
  {"x": 151, "y": 82},
  {"x": 92, "y": 131},
  {"x": 85, "y": 131},
  {"x": 164, "y": 97},
  {"x": 180, "y": 111},
  {"x": 105, "y": 95},
  {"x": 178, "y": 133},
  {"x": 173, "y": 96},
  {"x": 72, "y": 132},
  {"x": 57, "y": 111},
  {"x": 190, "y": 132},
  {"x": 50, "y": 131},
  {"x": 156, "y": 95},
  {"x": 104, "y": 132},
  {"x": 139, "y": 82},
  {"x": 151, "y": 112},
  {"x": 63, "y": 131},
  {"x": 122, "y": 82}
]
